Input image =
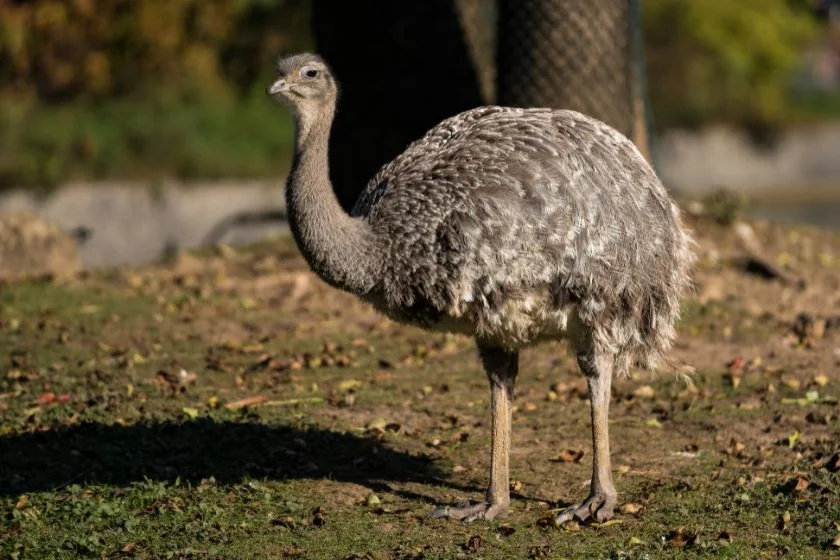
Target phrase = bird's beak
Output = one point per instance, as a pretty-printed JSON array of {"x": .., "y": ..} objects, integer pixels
[{"x": 277, "y": 87}]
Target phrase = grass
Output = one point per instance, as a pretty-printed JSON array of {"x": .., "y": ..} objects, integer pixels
[{"x": 125, "y": 435}]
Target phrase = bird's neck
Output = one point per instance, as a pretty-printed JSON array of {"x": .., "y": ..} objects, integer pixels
[{"x": 339, "y": 248}]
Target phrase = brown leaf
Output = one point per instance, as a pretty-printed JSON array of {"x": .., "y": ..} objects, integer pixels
[
  {"x": 474, "y": 543},
  {"x": 568, "y": 456},
  {"x": 644, "y": 392},
  {"x": 506, "y": 530},
  {"x": 799, "y": 485},
  {"x": 735, "y": 447},
  {"x": 571, "y": 526},
  {"x": 681, "y": 538},
  {"x": 832, "y": 463},
  {"x": 287, "y": 522},
  {"x": 630, "y": 508},
  {"x": 247, "y": 401},
  {"x": 319, "y": 517}
]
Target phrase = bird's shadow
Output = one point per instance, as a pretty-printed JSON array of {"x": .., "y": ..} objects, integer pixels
[{"x": 95, "y": 453}]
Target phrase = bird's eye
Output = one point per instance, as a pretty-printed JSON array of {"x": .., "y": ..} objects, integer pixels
[{"x": 309, "y": 73}]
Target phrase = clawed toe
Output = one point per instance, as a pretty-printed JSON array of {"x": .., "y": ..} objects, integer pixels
[
  {"x": 469, "y": 512},
  {"x": 601, "y": 508}
]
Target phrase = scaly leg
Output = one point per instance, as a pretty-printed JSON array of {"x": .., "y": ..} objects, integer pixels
[
  {"x": 502, "y": 367},
  {"x": 598, "y": 369}
]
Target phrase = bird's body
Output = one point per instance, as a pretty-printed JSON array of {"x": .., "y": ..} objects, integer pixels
[
  {"x": 510, "y": 225},
  {"x": 515, "y": 225}
]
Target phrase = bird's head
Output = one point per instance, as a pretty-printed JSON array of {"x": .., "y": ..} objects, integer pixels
[{"x": 304, "y": 83}]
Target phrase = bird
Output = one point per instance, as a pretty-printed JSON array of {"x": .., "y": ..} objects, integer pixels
[{"x": 513, "y": 226}]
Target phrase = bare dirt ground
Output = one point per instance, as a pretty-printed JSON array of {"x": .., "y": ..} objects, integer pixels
[{"x": 230, "y": 405}]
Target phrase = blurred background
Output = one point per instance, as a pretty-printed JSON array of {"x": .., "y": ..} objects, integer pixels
[{"x": 142, "y": 126}]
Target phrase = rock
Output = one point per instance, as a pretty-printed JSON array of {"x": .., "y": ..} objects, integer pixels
[{"x": 32, "y": 246}]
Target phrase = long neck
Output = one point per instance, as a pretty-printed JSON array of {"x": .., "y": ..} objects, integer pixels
[{"x": 339, "y": 248}]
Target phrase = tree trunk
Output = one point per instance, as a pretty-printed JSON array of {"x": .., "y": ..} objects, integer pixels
[
  {"x": 402, "y": 67},
  {"x": 576, "y": 55}
]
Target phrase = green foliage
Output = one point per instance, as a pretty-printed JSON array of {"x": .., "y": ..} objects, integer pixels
[
  {"x": 142, "y": 88},
  {"x": 65, "y": 50},
  {"x": 147, "y": 88},
  {"x": 164, "y": 136},
  {"x": 724, "y": 60}
]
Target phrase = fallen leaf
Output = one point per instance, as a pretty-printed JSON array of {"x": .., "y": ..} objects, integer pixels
[
  {"x": 800, "y": 485},
  {"x": 571, "y": 526},
  {"x": 791, "y": 382},
  {"x": 293, "y": 402},
  {"x": 47, "y": 398},
  {"x": 189, "y": 411},
  {"x": 634, "y": 541},
  {"x": 474, "y": 543},
  {"x": 506, "y": 530},
  {"x": 735, "y": 447},
  {"x": 736, "y": 366},
  {"x": 459, "y": 469},
  {"x": 630, "y": 508},
  {"x": 349, "y": 385},
  {"x": 750, "y": 404},
  {"x": 568, "y": 456},
  {"x": 830, "y": 462},
  {"x": 681, "y": 538},
  {"x": 319, "y": 517},
  {"x": 783, "y": 523},
  {"x": 373, "y": 500},
  {"x": 821, "y": 379},
  {"x": 644, "y": 392},
  {"x": 247, "y": 401}
]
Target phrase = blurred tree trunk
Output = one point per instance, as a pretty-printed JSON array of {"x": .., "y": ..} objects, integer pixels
[
  {"x": 402, "y": 67},
  {"x": 570, "y": 54}
]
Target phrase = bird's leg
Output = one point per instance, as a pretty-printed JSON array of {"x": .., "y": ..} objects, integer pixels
[
  {"x": 598, "y": 369},
  {"x": 502, "y": 367}
]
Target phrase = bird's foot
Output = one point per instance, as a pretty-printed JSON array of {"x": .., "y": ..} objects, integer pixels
[
  {"x": 599, "y": 506},
  {"x": 469, "y": 511}
]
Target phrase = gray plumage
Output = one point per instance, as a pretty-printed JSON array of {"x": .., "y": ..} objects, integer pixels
[{"x": 510, "y": 225}]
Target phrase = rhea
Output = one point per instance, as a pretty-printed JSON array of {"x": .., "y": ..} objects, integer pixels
[{"x": 513, "y": 226}]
